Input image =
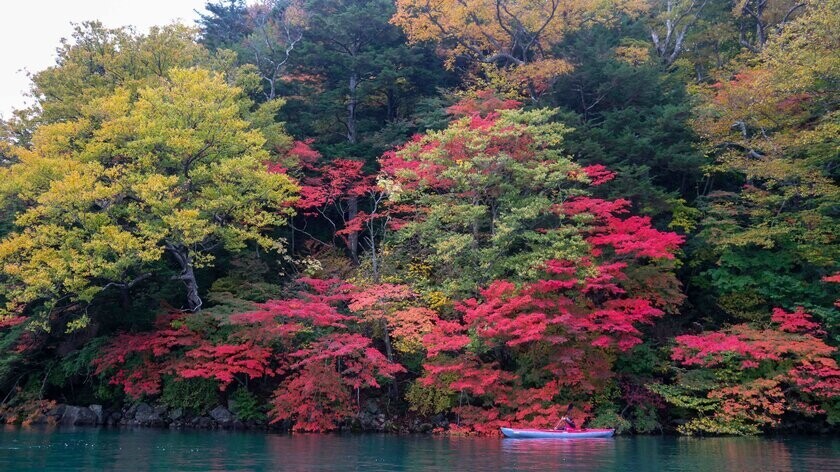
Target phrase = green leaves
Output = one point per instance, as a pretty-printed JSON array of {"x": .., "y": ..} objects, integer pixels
[{"x": 486, "y": 190}]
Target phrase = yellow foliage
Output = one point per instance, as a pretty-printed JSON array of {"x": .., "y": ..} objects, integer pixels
[
  {"x": 437, "y": 300},
  {"x": 633, "y": 55},
  {"x": 98, "y": 199},
  {"x": 514, "y": 34}
]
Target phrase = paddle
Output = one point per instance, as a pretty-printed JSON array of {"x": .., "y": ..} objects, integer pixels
[{"x": 569, "y": 410}]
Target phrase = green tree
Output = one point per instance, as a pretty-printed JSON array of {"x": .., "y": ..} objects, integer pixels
[
  {"x": 363, "y": 77},
  {"x": 480, "y": 203},
  {"x": 362, "y": 84},
  {"x": 225, "y": 24},
  {"x": 629, "y": 114}
]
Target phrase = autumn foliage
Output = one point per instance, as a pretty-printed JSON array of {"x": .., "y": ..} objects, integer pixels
[
  {"x": 563, "y": 326},
  {"x": 522, "y": 291},
  {"x": 567, "y": 309},
  {"x": 517, "y": 35},
  {"x": 785, "y": 367},
  {"x": 416, "y": 215},
  {"x": 589, "y": 279},
  {"x": 322, "y": 377},
  {"x": 313, "y": 349}
]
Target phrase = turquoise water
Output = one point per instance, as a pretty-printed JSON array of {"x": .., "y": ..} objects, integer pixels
[{"x": 29, "y": 449}]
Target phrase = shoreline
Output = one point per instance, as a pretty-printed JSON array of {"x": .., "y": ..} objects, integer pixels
[
  {"x": 368, "y": 421},
  {"x": 145, "y": 415}
]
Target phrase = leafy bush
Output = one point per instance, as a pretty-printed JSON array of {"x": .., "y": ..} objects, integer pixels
[
  {"x": 246, "y": 406},
  {"x": 197, "y": 395},
  {"x": 428, "y": 400}
]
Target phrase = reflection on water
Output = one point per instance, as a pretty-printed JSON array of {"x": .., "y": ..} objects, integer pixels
[
  {"x": 24, "y": 449},
  {"x": 536, "y": 454}
]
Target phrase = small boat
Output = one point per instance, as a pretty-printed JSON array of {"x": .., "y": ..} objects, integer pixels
[{"x": 557, "y": 433}]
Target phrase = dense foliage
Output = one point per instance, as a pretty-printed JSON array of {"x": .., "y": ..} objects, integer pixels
[{"x": 467, "y": 214}]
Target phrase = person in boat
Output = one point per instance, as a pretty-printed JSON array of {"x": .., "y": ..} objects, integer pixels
[{"x": 566, "y": 421}]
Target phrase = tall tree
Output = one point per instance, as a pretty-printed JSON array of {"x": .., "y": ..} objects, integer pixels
[
  {"x": 672, "y": 20},
  {"x": 483, "y": 197},
  {"x": 772, "y": 126},
  {"x": 562, "y": 277},
  {"x": 171, "y": 171},
  {"x": 759, "y": 19},
  {"x": 361, "y": 81},
  {"x": 517, "y": 36},
  {"x": 276, "y": 29},
  {"x": 632, "y": 116},
  {"x": 225, "y": 24}
]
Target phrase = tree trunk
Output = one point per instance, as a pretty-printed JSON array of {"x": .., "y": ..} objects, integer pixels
[
  {"x": 352, "y": 136},
  {"x": 187, "y": 275},
  {"x": 193, "y": 299},
  {"x": 374, "y": 263},
  {"x": 386, "y": 336},
  {"x": 393, "y": 390},
  {"x": 272, "y": 91},
  {"x": 760, "y": 36},
  {"x": 353, "y": 237}
]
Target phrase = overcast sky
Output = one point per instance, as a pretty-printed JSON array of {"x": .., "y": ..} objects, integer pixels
[{"x": 30, "y": 31}]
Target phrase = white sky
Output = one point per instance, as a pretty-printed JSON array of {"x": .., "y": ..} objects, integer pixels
[{"x": 30, "y": 31}]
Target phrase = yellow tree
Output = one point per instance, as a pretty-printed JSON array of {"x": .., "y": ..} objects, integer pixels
[
  {"x": 760, "y": 19},
  {"x": 514, "y": 35},
  {"x": 101, "y": 201}
]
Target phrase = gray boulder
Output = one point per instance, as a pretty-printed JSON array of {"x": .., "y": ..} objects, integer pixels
[
  {"x": 128, "y": 414},
  {"x": 78, "y": 416},
  {"x": 58, "y": 411},
  {"x": 101, "y": 415},
  {"x": 372, "y": 407},
  {"x": 146, "y": 415},
  {"x": 202, "y": 422},
  {"x": 440, "y": 421},
  {"x": 222, "y": 415},
  {"x": 176, "y": 414},
  {"x": 114, "y": 418}
]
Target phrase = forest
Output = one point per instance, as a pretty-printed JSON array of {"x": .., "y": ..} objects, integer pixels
[{"x": 457, "y": 214}]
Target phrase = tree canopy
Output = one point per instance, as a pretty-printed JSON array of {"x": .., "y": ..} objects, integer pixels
[{"x": 437, "y": 216}]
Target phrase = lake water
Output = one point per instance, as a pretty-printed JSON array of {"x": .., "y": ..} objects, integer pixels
[{"x": 30, "y": 449}]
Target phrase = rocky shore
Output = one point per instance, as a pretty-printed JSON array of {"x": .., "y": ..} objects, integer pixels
[{"x": 370, "y": 419}]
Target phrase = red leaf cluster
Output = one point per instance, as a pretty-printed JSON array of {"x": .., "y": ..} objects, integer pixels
[
  {"x": 318, "y": 378},
  {"x": 137, "y": 361},
  {"x": 785, "y": 367},
  {"x": 567, "y": 324},
  {"x": 483, "y": 103},
  {"x": 223, "y": 362},
  {"x": 633, "y": 236}
]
